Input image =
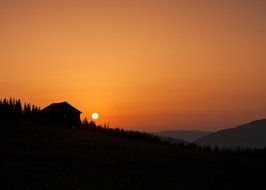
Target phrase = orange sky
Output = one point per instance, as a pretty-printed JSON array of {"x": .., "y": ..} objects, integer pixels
[{"x": 142, "y": 64}]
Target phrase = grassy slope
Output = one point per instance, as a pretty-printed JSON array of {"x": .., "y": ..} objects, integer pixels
[{"x": 34, "y": 157}]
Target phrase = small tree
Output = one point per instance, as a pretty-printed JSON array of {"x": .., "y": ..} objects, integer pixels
[{"x": 85, "y": 123}]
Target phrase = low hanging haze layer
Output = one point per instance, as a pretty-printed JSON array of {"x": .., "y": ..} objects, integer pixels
[{"x": 144, "y": 64}]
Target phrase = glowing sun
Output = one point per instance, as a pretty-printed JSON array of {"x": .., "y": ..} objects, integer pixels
[{"x": 95, "y": 116}]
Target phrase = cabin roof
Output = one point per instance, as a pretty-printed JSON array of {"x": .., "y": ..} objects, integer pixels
[{"x": 60, "y": 107}]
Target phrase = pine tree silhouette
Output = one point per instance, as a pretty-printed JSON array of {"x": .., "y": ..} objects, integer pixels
[{"x": 12, "y": 109}]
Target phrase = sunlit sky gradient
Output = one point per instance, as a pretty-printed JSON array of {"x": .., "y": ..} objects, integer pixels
[{"x": 141, "y": 64}]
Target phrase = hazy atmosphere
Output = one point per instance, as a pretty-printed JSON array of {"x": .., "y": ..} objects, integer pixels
[
  {"x": 145, "y": 64},
  {"x": 132, "y": 94}
]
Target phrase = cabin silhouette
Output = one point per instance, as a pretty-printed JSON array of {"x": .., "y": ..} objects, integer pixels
[{"x": 62, "y": 114}]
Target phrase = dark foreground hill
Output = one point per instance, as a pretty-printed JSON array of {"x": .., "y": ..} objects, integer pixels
[
  {"x": 252, "y": 135},
  {"x": 186, "y": 135},
  {"x": 42, "y": 157}
]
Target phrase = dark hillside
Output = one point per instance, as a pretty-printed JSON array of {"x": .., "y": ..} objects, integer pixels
[
  {"x": 186, "y": 135},
  {"x": 42, "y": 157}
]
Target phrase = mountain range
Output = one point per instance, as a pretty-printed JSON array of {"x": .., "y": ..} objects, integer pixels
[{"x": 250, "y": 135}]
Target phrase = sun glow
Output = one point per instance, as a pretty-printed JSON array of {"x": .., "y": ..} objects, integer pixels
[{"x": 95, "y": 116}]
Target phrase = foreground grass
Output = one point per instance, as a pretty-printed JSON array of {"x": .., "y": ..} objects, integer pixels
[{"x": 42, "y": 157}]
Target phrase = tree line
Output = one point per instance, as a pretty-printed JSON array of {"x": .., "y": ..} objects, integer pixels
[
  {"x": 106, "y": 129},
  {"x": 13, "y": 109}
]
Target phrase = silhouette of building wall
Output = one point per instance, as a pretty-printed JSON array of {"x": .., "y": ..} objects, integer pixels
[{"x": 62, "y": 114}]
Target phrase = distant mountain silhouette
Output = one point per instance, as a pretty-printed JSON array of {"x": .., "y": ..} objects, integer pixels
[
  {"x": 185, "y": 135},
  {"x": 250, "y": 135}
]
